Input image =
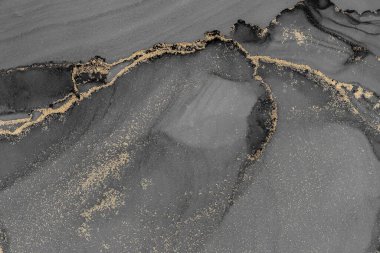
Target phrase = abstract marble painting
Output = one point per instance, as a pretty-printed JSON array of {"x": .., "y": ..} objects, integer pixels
[{"x": 190, "y": 126}]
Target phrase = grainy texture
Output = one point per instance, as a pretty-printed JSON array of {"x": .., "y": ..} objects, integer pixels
[{"x": 264, "y": 137}]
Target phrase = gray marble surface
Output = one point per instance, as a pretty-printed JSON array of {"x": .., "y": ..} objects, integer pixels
[{"x": 263, "y": 136}]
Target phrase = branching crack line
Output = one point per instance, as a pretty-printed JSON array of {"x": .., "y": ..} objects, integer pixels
[{"x": 98, "y": 68}]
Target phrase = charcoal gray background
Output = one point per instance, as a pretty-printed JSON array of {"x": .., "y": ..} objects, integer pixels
[{"x": 173, "y": 135}]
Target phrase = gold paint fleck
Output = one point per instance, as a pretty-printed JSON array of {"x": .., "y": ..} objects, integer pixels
[
  {"x": 368, "y": 94},
  {"x": 359, "y": 93},
  {"x": 110, "y": 201},
  {"x": 145, "y": 183},
  {"x": 295, "y": 34},
  {"x": 263, "y": 32},
  {"x": 106, "y": 246},
  {"x": 84, "y": 231},
  {"x": 299, "y": 36},
  {"x": 99, "y": 174}
]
